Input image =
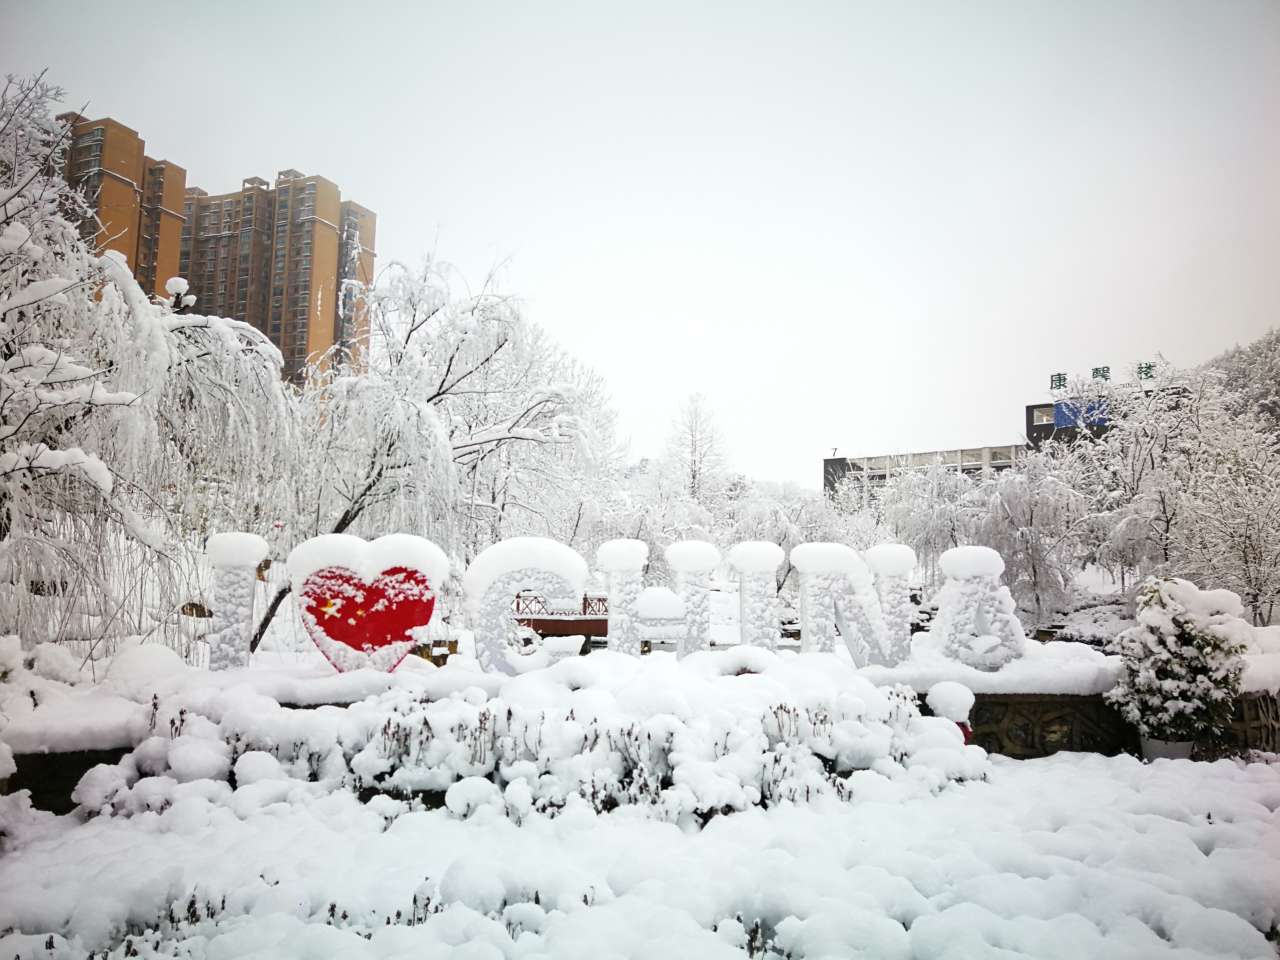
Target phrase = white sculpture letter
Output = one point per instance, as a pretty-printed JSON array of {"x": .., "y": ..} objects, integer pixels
[
  {"x": 757, "y": 562},
  {"x": 976, "y": 618},
  {"x": 234, "y": 558},
  {"x": 556, "y": 572},
  {"x": 836, "y": 591},
  {"x": 622, "y": 562},
  {"x": 892, "y": 564},
  {"x": 692, "y": 561}
]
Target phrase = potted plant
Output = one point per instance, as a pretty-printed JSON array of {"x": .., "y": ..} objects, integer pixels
[{"x": 1180, "y": 667}]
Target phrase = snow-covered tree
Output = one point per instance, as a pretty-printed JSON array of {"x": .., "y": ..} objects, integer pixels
[
  {"x": 1251, "y": 376},
  {"x": 58, "y": 491},
  {"x": 113, "y": 410},
  {"x": 696, "y": 450},
  {"x": 1228, "y": 533},
  {"x": 1181, "y": 664},
  {"x": 424, "y": 430},
  {"x": 1032, "y": 515},
  {"x": 1135, "y": 473},
  {"x": 931, "y": 509}
]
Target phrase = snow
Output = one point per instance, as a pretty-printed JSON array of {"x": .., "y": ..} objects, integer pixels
[
  {"x": 1265, "y": 639},
  {"x": 176, "y": 286},
  {"x": 139, "y": 670},
  {"x": 756, "y": 556},
  {"x": 619, "y": 556},
  {"x": 659, "y": 603},
  {"x": 367, "y": 558},
  {"x": 1261, "y": 673},
  {"x": 951, "y": 700},
  {"x": 964, "y": 563},
  {"x": 255, "y": 766},
  {"x": 692, "y": 556},
  {"x": 10, "y": 655},
  {"x": 523, "y": 553},
  {"x": 1055, "y": 667},
  {"x": 890, "y": 559},
  {"x": 830, "y": 559},
  {"x": 195, "y": 758},
  {"x": 236, "y": 549},
  {"x": 1071, "y": 856}
]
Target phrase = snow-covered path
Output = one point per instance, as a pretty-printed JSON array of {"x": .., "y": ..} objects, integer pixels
[{"x": 1073, "y": 856}]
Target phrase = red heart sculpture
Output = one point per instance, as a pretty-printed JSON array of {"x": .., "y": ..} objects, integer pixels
[{"x": 366, "y": 623}]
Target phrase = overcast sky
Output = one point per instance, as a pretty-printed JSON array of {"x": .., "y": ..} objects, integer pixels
[{"x": 877, "y": 227}]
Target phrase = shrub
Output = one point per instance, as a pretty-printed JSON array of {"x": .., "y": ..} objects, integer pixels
[{"x": 1181, "y": 664}]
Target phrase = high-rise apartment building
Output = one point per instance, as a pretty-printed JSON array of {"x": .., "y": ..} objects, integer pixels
[
  {"x": 282, "y": 258},
  {"x": 137, "y": 200},
  {"x": 287, "y": 258}
]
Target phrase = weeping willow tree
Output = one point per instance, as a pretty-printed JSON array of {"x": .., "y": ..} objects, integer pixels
[{"x": 126, "y": 429}]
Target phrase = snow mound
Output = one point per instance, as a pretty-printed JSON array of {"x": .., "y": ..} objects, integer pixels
[
  {"x": 367, "y": 558},
  {"x": 756, "y": 556},
  {"x": 951, "y": 700},
  {"x": 523, "y": 553},
  {"x": 141, "y": 669},
  {"x": 1055, "y": 667},
  {"x": 176, "y": 286},
  {"x": 692, "y": 556},
  {"x": 965, "y": 563},
  {"x": 618, "y": 556},
  {"x": 890, "y": 559},
  {"x": 236, "y": 549}
]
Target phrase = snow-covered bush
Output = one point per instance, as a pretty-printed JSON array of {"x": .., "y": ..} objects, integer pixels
[{"x": 1181, "y": 664}]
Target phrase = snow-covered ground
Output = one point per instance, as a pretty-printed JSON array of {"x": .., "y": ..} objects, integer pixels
[
  {"x": 1069, "y": 857},
  {"x": 736, "y": 803}
]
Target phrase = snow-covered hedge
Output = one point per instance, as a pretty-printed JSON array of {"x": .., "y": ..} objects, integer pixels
[{"x": 713, "y": 733}]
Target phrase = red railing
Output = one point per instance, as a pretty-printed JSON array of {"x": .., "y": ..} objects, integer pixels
[{"x": 533, "y": 605}]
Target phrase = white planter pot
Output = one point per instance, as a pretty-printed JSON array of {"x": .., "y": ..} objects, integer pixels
[{"x": 1154, "y": 749}]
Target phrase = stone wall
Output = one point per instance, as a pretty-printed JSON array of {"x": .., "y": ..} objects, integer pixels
[{"x": 1026, "y": 725}]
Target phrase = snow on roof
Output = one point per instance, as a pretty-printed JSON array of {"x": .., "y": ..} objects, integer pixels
[
  {"x": 692, "y": 556},
  {"x": 756, "y": 556},
  {"x": 890, "y": 559},
  {"x": 616, "y": 556},
  {"x": 236, "y": 549},
  {"x": 964, "y": 563},
  {"x": 659, "y": 603},
  {"x": 368, "y": 558},
  {"x": 523, "y": 553}
]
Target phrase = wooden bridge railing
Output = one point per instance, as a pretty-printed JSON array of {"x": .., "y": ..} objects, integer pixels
[{"x": 533, "y": 605}]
